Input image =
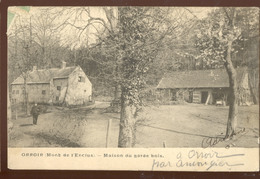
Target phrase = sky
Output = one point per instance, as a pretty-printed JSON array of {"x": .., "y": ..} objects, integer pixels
[
  {"x": 201, "y": 12},
  {"x": 71, "y": 34}
]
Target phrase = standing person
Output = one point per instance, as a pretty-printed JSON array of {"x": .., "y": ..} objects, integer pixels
[{"x": 35, "y": 111}]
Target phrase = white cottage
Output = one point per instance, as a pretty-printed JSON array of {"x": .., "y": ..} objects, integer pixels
[{"x": 63, "y": 86}]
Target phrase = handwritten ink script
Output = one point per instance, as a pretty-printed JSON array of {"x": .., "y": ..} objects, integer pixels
[
  {"x": 212, "y": 141},
  {"x": 193, "y": 158}
]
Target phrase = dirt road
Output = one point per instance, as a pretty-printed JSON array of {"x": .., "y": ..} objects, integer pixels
[{"x": 176, "y": 125}]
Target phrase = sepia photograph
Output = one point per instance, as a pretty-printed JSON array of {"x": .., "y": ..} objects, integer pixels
[{"x": 133, "y": 77}]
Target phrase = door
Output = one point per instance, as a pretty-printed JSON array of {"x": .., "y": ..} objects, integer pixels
[
  {"x": 173, "y": 95},
  {"x": 204, "y": 96},
  {"x": 190, "y": 96}
]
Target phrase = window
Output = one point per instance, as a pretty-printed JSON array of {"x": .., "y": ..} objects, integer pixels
[
  {"x": 81, "y": 79},
  {"x": 57, "y": 98},
  {"x": 58, "y": 88},
  {"x": 85, "y": 91},
  {"x": 43, "y": 92},
  {"x": 13, "y": 91},
  {"x": 17, "y": 91}
]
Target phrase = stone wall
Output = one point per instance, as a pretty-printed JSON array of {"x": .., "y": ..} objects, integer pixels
[
  {"x": 17, "y": 94},
  {"x": 58, "y": 90},
  {"x": 39, "y": 93},
  {"x": 74, "y": 90},
  {"x": 197, "y": 94},
  {"x": 79, "y": 90}
]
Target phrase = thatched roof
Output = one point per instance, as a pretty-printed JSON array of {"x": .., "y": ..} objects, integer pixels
[
  {"x": 45, "y": 75},
  {"x": 215, "y": 78}
]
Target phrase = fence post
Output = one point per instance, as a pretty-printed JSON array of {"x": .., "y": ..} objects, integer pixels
[
  {"x": 164, "y": 144},
  {"x": 15, "y": 113},
  {"x": 108, "y": 132}
]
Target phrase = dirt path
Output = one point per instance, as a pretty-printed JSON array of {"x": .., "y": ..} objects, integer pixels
[
  {"x": 176, "y": 125},
  {"x": 186, "y": 126},
  {"x": 57, "y": 127}
]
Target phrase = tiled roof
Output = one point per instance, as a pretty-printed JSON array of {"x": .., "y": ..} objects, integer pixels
[
  {"x": 215, "y": 78},
  {"x": 45, "y": 75}
]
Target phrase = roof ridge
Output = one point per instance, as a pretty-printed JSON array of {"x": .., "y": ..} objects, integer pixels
[
  {"x": 201, "y": 70},
  {"x": 46, "y": 75},
  {"x": 198, "y": 78},
  {"x": 55, "y": 68}
]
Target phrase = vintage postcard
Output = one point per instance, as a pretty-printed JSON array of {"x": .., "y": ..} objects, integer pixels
[{"x": 133, "y": 88}]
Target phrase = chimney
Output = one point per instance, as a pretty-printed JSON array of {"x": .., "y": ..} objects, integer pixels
[
  {"x": 34, "y": 68},
  {"x": 63, "y": 65}
]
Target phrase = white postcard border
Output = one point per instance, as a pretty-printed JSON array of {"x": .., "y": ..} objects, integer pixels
[{"x": 136, "y": 159}]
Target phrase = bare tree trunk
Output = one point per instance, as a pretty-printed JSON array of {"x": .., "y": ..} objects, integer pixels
[
  {"x": 127, "y": 122},
  {"x": 117, "y": 85},
  {"x": 117, "y": 92},
  {"x": 233, "y": 106},
  {"x": 27, "y": 110},
  {"x": 252, "y": 88}
]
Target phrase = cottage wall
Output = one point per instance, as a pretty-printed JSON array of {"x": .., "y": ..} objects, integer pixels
[
  {"x": 78, "y": 92},
  {"x": 244, "y": 82},
  {"x": 244, "y": 94},
  {"x": 39, "y": 93},
  {"x": 36, "y": 93},
  {"x": 165, "y": 94},
  {"x": 71, "y": 86},
  {"x": 58, "y": 90},
  {"x": 17, "y": 94},
  {"x": 185, "y": 95},
  {"x": 198, "y": 95}
]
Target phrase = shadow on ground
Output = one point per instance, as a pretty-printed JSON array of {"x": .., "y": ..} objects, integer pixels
[
  {"x": 25, "y": 125},
  {"x": 54, "y": 140}
]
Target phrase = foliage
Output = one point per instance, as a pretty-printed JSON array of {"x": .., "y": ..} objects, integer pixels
[
  {"x": 213, "y": 34},
  {"x": 220, "y": 37},
  {"x": 136, "y": 45}
]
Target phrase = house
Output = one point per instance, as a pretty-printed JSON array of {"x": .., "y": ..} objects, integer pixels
[
  {"x": 62, "y": 86},
  {"x": 203, "y": 86}
]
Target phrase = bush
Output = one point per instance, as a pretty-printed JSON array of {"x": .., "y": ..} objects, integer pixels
[{"x": 67, "y": 129}]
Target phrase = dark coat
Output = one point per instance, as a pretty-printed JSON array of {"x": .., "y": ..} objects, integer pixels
[{"x": 35, "y": 111}]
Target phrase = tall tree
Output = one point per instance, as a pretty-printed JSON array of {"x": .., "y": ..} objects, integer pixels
[
  {"x": 31, "y": 40},
  {"x": 128, "y": 43},
  {"x": 218, "y": 40},
  {"x": 141, "y": 33},
  {"x": 19, "y": 53}
]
